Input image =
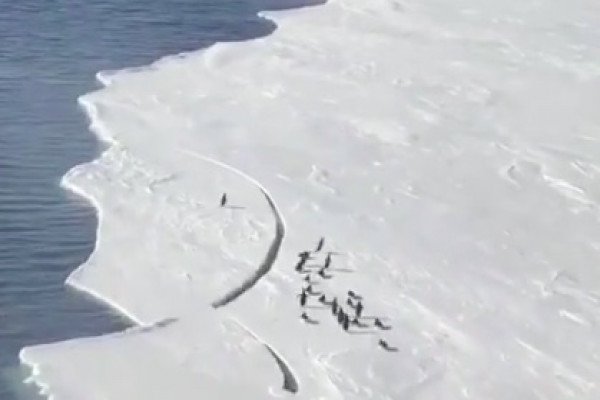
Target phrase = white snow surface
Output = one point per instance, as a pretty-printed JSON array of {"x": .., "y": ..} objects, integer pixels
[{"x": 448, "y": 151}]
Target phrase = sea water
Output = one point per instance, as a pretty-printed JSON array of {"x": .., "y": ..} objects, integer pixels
[{"x": 49, "y": 55}]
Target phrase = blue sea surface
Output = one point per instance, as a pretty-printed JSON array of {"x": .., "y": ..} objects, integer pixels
[{"x": 50, "y": 52}]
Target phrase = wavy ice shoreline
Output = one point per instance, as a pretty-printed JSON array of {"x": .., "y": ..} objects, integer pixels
[{"x": 446, "y": 152}]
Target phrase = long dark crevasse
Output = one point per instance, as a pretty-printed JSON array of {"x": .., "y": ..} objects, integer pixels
[
  {"x": 265, "y": 265},
  {"x": 290, "y": 383},
  {"x": 271, "y": 256}
]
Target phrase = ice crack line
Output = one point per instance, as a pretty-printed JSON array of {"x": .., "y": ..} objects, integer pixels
[
  {"x": 271, "y": 256},
  {"x": 290, "y": 383}
]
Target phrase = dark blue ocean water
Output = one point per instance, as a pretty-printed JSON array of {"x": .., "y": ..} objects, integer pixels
[{"x": 49, "y": 54}]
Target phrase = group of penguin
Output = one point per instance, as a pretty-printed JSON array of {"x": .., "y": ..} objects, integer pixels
[{"x": 353, "y": 300}]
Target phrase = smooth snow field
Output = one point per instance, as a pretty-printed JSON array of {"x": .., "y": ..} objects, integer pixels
[{"x": 448, "y": 153}]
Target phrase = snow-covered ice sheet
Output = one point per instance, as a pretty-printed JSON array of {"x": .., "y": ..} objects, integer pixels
[{"x": 448, "y": 151}]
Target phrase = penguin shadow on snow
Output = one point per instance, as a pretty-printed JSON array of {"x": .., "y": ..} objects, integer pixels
[
  {"x": 311, "y": 282},
  {"x": 234, "y": 207},
  {"x": 224, "y": 204},
  {"x": 323, "y": 274},
  {"x": 381, "y": 325},
  {"x": 373, "y": 317},
  {"x": 313, "y": 307},
  {"x": 308, "y": 319},
  {"x": 311, "y": 292},
  {"x": 356, "y": 322},
  {"x": 361, "y": 331},
  {"x": 346, "y": 270},
  {"x": 384, "y": 345}
]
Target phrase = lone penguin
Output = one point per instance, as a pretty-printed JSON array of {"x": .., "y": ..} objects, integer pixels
[
  {"x": 340, "y": 316},
  {"x": 346, "y": 322},
  {"x": 334, "y": 306},
  {"x": 308, "y": 319},
  {"x": 380, "y": 325},
  {"x": 384, "y": 345},
  {"x": 224, "y": 200},
  {"x": 358, "y": 309},
  {"x": 320, "y": 244}
]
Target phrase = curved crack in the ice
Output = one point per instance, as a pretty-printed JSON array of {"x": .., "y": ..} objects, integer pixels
[
  {"x": 271, "y": 256},
  {"x": 290, "y": 383},
  {"x": 289, "y": 380},
  {"x": 265, "y": 265}
]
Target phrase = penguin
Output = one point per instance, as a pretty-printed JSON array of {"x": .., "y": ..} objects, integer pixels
[
  {"x": 325, "y": 301},
  {"x": 380, "y": 325},
  {"x": 354, "y": 295},
  {"x": 309, "y": 290},
  {"x": 327, "y": 261},
  {"x": 304, "y": 256},
  {"x": 346, "y": 322},
  {"x": 320, "y": 244},
  {"x": 224, "y": 200},
  {"x": 358, "y": 309},
  {"x": 303, "y": 299},
  {"x": 322, "y": 299},
  {"x": 349, "y": 302},
  {"x": 334, "y": 305},
  {"x": 384, "y": 345},
  {"x": 323, "y": 275},
  {"x": 307, "y": 278},
  {"x": 308, "y": 319},
  {"x": 340, "y": 316}
]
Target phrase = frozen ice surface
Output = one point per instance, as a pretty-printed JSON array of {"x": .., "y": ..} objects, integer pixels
[{"x": 448, "y": 151}]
